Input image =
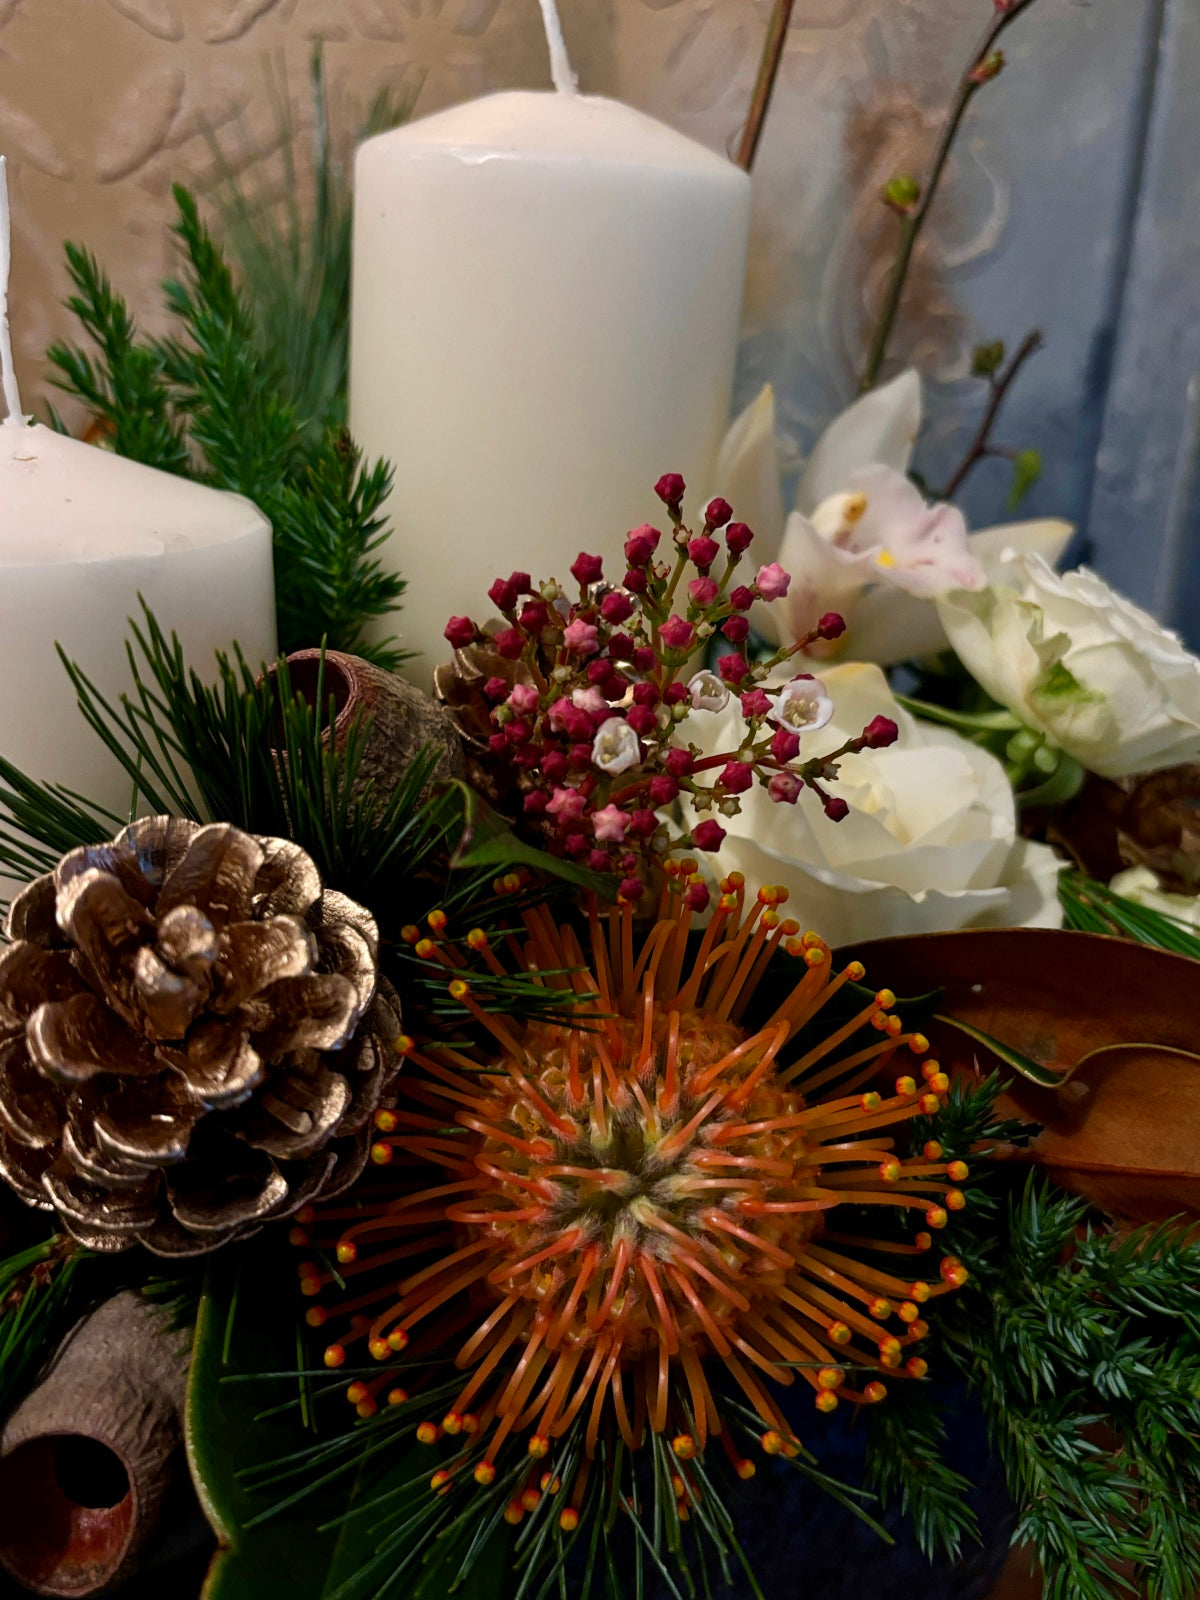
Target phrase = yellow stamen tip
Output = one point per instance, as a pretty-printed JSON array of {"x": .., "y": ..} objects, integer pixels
[
  {"x": 930, "y": 1104},
  {"x": 830, "y": 1378},
  {"x": 814, "y": 958},
  {"x": 918, "y": 1044},
  {"x": 955, "y": 1199},
  {"x": 425, "y": 948},
  {"x": 381, "y": 1154},
  {"x": 335, "y": 1356},
  {"x": 936, "y": 1217},
  {"x": 568, "y": 1520},
  {"x": 772, "y": 1442},
  {"x": 428, "y": 1433},
  {"x": 440, "y": 1480},
  {"x": 485, "y": 1474},
  {"x": 958, "y": 1171},
  {"x": 908, "y": 1311},
  {"x": 531, "y": 1499},
  {"x": 885, "y": 999},
  {"x": 347, "y": 1252},
  {"x": 932, "y": 1151},
  {"x": 452, "y": 1423},
  {"x": 919, "y": 1292},
  {"x": 930, "y": 1069},
  {"x": 890, "y": 1170},
  {"x": 880, "y": 1308},
  {"x": 397, "y": 1397},
  {"x": 380, "y": 1349},
  {"x": 826, "y": 1401},
  {"x": 539, "y": 1446},
  {"x": 459, "y": 989},
  {"x": 514, "y": 1513},
  {"x": 870, "y": 1101},
  {"x": 746, "y": 1470},
  {"x": 684, "y": 1446},
  {"x": 838, "y": 1332},
  {"x": 410, "y": 933},
  {"x": 436, "y": 920},
  {"x": 856, "y": 971},
  {"x": 387, "y": 1121},
  {"x": 915, "y": 1367},
  {"x": 907, "y": 1087},
  {"x": 875, "y": 1392}
]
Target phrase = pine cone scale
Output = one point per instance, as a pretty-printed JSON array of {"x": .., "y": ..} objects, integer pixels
[
  {"x": 216, "y": 875},
  {"x": 73, "y": 1040}
]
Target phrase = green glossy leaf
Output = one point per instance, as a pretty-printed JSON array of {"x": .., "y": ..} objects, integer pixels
[{"x": 300, "y": 1538}]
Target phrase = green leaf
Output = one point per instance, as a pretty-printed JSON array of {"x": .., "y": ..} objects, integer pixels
[
  {"x": 969, "y": 722},
  {"x": 1046, "y": 1077},
  {"x": 488, "y": 841},
  {"x": 1027, "y": 469}
]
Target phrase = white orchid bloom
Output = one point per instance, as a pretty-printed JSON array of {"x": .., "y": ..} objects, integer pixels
[{"x": 862, "y": 540}]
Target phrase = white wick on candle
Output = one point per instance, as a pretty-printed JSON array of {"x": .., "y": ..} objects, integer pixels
[
  {"x": 565, "y": 80},
  {"x": 8, "y": 375}
]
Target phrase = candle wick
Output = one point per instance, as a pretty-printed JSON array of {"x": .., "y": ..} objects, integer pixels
[
  {"x": 8, "y": 374},
  {"x": 565, "y": 80}
]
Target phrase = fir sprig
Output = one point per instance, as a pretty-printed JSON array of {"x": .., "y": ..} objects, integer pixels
[{"x": 212, "y": 402}]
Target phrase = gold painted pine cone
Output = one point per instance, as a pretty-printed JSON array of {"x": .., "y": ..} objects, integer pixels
[{"x": 193, "y": 1037}]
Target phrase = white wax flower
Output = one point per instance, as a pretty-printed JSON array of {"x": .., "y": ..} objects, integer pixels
[
  {"x": 861, "y": 539},
  {"x": 802, "y": 706},
  {"x": 1081, "y": 665},
  {"x": 707, "y": 692},
  {"x": 930, "y": 843},
  {"x": 615, "y": 748}
]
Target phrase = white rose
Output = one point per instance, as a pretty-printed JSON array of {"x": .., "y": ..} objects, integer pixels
[
  {"x": 1142, "y": 886},
  {"x": 1081, "y": 665},
  {"x": 861, "y": 539},
  {"x": 930, "y": 842}
]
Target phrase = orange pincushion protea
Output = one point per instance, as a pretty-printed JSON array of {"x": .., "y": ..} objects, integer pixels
[{"x": 619, "y": 1208}]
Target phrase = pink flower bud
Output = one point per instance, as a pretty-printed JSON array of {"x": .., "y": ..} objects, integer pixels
[
  {"x": 736, "y": 777},
  {"x": 642, "y": 720},
  {"x": 510, "y": 644},
  {"x": 598, "y": 860},
  {"x": 566, "y": 805},
  {"x": 644, "y": 659},
  {"x": 702, "y": 592},
  {"x": 703, "y": 551},
  {"x": 772, "y": 582},
  {"x": 524, "y": 699},
  {"x": 677, "y": 634},
  {"x": 645, "y": 694},
  {"x": 576, "y": 844},
  {"x": 520, "y": 582},
  {"x": 587, "y": 569},
  {"x": 741, "y": 598},
  {"x": 717, "y": 513},
  {"x": 670, "y": 489},
  {"x": 643, "y": 823},
  {"x": 631, "y": 890},
  {"x": 679, "y": 762},
  {"x": 460, "y": 631},
  {"x": 497, "y": 743},
  {"x": 755, "y": 703},
  {"x": 831, "y": 626},
  {"x": 581, "y": 755},
  {"x": 663, "y": 790},
  {"x": 518, "y": 731},
  {"x": 495, "y": 688},
  {"x": 836, "y": 808},
  {"x": 785, "y": 745},
  {"x": 502, "y": 595},
  {"x": 581, "y": 637},
  {"x": 554, "y": 766},
  {"x": 616, "y": 607},
  {"x": 708, "y": 835},
  {"x": 733, "y": 667},
  {"x": 599, "y": 672},
  {"x": 609, "y": 825},
  {"x": 736, "y": 629},
  {"x": 738, "y": 537},
  {"x": 534, "y": 803},
  {"x": 675, "y": 694},
  {"x": 578, "y": 723},
  {"x": 696, "y": 897},
  {"x": 535, "y": 616},
  {"x": 785, "y": 787},
  {"x": 640, "y": 544},
  {"x": 879, "y": 733},
  {"x": 636, "y": 581},
  {"x": 620, "y": 647}
]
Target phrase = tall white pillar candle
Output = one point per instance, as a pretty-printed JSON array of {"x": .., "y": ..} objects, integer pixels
[
  {"x": 83, "y": 532},
  {"x": 546, "y": 302}
]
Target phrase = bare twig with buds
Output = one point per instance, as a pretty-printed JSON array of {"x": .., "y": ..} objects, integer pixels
[
  {"x": 764, "y": 85},
  {"x": 912, "y": 201},
  {"x": 1000, "y": 380}
]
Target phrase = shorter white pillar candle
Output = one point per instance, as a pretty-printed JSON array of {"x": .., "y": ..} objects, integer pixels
[{"x": 83, "y": 533}]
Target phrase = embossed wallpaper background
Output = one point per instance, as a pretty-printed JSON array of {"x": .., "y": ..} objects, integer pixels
[{"x": 1067, "y": 206}]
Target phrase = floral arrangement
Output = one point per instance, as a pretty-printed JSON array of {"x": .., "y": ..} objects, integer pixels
[{"x": 474, "y": 1118}]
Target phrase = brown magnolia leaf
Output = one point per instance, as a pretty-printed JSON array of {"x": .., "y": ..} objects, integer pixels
[{"x": 1111, "y": 1019}]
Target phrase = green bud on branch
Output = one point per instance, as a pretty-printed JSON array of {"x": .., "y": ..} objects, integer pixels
[
  {"x": 987, "y": 359},
  {"x": 989, "y": 67},
  {"x": 901, "y": 194}
]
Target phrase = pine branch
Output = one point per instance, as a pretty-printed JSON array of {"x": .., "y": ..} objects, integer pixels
[{"x": 212, "y": 402}]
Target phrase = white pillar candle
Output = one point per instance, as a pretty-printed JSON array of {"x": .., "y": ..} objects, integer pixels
[
  {"x": 547, "y": 295},
  {"x": 83, "y": 532}
]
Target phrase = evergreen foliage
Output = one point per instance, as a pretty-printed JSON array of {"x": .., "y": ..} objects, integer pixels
[{"x": 211, "y": 401}]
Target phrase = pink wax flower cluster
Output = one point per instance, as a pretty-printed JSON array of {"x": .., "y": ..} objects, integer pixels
[{"x": 592, "y": 719}]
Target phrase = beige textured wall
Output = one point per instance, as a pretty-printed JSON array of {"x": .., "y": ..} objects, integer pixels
[{"x": 103, "y": 103}]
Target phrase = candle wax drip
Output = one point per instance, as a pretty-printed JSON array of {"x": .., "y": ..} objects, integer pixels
[
  {"x": 565, "y": 80},
  {"x": 8, "y": 375}
]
